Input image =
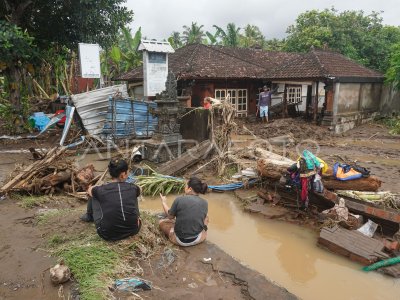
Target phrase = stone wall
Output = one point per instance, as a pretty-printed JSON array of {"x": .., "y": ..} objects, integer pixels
[
  {"x": 356, "y": 104},
  {"x": 390, "y": 101}
]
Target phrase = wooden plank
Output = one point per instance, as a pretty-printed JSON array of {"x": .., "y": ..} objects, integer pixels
[
  {"x": 352, "y": 244},
  {"x": 187, "y": 159}
]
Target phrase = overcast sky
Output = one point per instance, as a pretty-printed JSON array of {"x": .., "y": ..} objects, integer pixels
[{"x": 158, "y": 18}]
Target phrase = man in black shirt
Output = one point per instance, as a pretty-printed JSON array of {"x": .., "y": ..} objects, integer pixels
[{"x": 114, "y": 206}]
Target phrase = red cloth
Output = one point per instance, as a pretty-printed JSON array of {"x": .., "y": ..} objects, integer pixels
[
  {"x": 207, "y": 105},
  {"x": 304, "y": 188}
]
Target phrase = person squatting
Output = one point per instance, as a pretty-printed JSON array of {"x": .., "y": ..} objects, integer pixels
[{"x": 113, "y": 208}]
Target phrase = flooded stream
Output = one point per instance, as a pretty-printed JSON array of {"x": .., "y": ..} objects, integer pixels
[{"x": 287, "y": 254}]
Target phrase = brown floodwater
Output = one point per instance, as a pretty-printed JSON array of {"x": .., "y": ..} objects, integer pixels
[{"x": 287, "y": 254}]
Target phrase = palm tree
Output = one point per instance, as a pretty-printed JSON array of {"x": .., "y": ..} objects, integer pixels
[
  {"x": 175, "y": 40},
  {"x": 274, "y": 45},
  {"x": 252, "y": 37},
  {"x": 193, "y": 34},
  {"x": 230, "y": 37}
]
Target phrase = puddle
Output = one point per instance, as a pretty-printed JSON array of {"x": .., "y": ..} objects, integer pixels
[
  {"x": 287, "y": 254},
  {"x": 99, "y": 160}
]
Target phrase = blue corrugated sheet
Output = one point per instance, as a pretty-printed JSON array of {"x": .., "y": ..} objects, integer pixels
[{"x": 128, "y": 118}]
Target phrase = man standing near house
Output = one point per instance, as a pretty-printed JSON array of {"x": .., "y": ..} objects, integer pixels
[{"x": 264, "y": 102}]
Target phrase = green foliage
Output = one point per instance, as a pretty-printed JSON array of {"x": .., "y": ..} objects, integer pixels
[
  {"x": 212, "y": 38},
  {"x": 252, "y": 37},
  {"x": 156, "y": 184},
  {"x": 54, "y": 24},
  {"x": 393, "y": 73},
  {"x": 90, "y": 265},
  {"x": 175, "y": 40},
  {"x": 230, "y": 36},
  {"x": 123, "y": 55},
  {"x": 274, "y": 45},
  {"x": 14, "y": 121},
  {"x": 68, "y": 22},
  {"x": 56, "y": 240},
  {"x": 355, "y": 35},
  {"x": 16, "y": 44},
  {"x": 393, "y": 124},
  {"x": 193, "y": 34}
]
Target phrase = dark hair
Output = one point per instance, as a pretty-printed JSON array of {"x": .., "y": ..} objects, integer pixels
[
  {"x": 117, "y": 166},
  {"x": 197, "y": 186}
]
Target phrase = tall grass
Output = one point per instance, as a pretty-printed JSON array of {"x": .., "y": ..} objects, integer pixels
[{"x": 91, "y": 266}]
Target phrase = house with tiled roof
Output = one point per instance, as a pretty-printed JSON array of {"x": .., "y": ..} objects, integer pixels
[
  {"x": 310, "y": 83},
  {"x": 348, "y": 92}
]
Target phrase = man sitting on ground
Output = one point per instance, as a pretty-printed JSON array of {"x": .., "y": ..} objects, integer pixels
[{"x": 113, "y": 207}]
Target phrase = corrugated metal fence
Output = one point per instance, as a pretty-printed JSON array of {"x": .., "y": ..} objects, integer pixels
[{"x": 127, "y": 118}]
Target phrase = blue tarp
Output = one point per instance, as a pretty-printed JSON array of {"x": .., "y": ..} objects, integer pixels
[{"x": 129, "y": 118}]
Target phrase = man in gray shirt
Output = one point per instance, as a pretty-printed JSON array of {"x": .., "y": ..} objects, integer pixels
[
  {"x": 187, "y": 219},
  {"x": 264, "y": 102}
]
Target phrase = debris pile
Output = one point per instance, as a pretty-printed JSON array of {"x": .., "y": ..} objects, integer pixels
[{"x": 51, "y": 172}]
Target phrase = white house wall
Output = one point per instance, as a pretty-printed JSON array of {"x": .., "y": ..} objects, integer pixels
[{"x": 304, "y": 86}]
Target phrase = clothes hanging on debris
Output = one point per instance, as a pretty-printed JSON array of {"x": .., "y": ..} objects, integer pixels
[
  {"x": 317, "y": 183},
  {"x": 311, "y": 160},
  {"x": 304, "y": 189},
  {"x": 306, "y": 175}
]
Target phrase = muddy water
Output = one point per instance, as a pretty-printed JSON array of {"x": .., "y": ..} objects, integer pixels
[{"x": 287, "y": 254}]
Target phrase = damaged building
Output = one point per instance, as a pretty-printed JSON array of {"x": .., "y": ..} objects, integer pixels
[{"x": 322, "y": 85}]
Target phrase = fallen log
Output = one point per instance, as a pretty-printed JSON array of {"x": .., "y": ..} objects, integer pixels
[
  {"x": 271, "y": 165},
  {"x": 54, "y": 179},
  {"x": 270, "y": 169},
  {"x": 369, "y": 184},
  {"x": 270, "y": 156}
]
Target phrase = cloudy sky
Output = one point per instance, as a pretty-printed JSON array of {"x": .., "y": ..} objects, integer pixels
[{"x": 158, "y": 18}]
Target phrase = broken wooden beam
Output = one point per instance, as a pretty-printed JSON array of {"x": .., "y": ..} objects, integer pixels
[
  {"x": 352, "y": 244},
  {"x": 31, "y": 170},
  {"x": 187, "y": 159}
]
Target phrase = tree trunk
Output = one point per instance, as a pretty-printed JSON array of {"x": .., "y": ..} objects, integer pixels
[
  {"x": 369, "y": 184},
  {"x": 14, "y": 72}
]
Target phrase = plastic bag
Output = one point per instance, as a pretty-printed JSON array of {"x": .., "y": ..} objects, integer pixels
[{"x": 368, "y": 228}]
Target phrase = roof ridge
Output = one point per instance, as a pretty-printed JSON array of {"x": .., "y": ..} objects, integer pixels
[{"x": 321, "y": 65}]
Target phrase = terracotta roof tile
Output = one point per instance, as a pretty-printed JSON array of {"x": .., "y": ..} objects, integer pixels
[
  {"x": 206, "y": 61},
  {"x": 321, "y": 64}
]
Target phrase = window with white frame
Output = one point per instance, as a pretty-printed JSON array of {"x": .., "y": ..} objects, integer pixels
[
  {"x": 294, "y": 94},
  {"x": 237, "y": 97}
]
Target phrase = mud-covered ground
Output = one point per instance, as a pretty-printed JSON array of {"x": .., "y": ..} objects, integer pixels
[
  {"x": 201, "y": 272},
  {"x": 24, "y": 261}
]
